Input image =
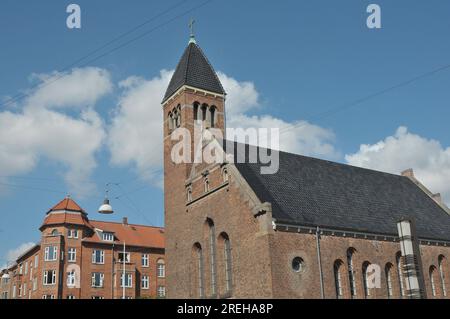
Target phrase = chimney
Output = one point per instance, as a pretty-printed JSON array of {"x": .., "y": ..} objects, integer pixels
[
  {"x": 437, "y": 198},
  {"x": 125, "y": 221},
  {"x": 408, "y": 173}
]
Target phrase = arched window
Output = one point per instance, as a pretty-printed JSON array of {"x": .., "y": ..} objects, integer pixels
[
  {"x": 212, "y": 111},
  {"x": 388, "y": 272},
  {"x": 351, "y": 273},
  {"x": 161, "y": 268},
  {"x": 54, "y": 232},
  {"x": 204, "y": 112},
  {"x": 225, "y": 175},
  {"x": 189, "y": 193},
  {"x": 206, "y": 183},
  {"x": 433, "y": 280},
  {"x": 399, "y": 261},
  {"x": 199, "y": 261},
  {"x": 170, "y": 121},
  {"x": 212, "y": 250},
  {"x": 196, "y": 112},
  {"x": 365, "y": 275},
  {"x": 441, "y": 264},
  {"x": 338, "y": 278},
  {"x": 226, "y": 246}
]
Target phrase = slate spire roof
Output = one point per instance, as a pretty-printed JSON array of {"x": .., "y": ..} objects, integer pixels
[{"x": 194, "y": 70}]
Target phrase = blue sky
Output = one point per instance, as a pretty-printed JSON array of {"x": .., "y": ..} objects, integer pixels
[{"x": 284, "y": 61}]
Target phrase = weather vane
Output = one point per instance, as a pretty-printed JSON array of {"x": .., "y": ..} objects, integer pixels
[{"x": 191, "y": 27}]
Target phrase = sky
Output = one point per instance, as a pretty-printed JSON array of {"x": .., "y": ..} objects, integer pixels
[{"x": 80, "y": 108}]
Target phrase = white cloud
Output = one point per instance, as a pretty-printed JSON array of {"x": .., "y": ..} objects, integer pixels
[
  {"x": 297, "y": 137},
  {"x": 36, "y": 131},
  {"x": 13, "y": 254},
  {"x": 429, "y": 159},
  {"x": 135, "y": 135}
]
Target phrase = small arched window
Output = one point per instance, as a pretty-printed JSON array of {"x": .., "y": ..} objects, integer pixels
[
  {"x": 441, "y": 263},
  {"x": 225, "y": 176},
  {"x": 212, "y": 111},
  {"x": 161, "y": 268},
  {"x": 433, "y": 280},
  {"x": 351, "y": 273},
  {"x": 338, "y": 278},
  {"x": 206, "y": 184},
  {"x": 54, "y": 232},
  {"x": 197, "y": 116},
  {"x": 399, "y": 261},
  {"x": 388, "y": 273},
  {"x": 227, "y": 262},
  {"x": 189, "y": 193}
]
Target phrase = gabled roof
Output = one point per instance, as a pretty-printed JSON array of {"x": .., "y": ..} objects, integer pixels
[
  {"x": 313, "y": 192},
  {"x": 194, "y": 70},
  {"x": 133, "y": 235}
]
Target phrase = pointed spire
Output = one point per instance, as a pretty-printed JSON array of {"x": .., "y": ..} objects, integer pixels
[{"x": 192, "y": 35}]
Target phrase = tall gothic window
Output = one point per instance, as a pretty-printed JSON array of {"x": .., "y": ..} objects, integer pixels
[
  {"x": 388, "y": 272},
  {"x": 351, "y": 272},
  {"x": 433, "y": 280},
  {"x": 212, "y": 250},
  {"x": 441, "y": 261},
  {"x": 338, "y": 278},
  {"x": 366, "y": 279},
  {"x": 212, "y": 111},
  {"x": 227, "y": 265},
  {"x": 401, "y": 280},
  {"x": 199, "y": 261}
]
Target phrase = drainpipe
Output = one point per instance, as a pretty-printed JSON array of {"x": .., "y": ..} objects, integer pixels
[{"x": 319, "y": 260}]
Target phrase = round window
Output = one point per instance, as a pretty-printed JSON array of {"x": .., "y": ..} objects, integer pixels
[{"x": 298, "y": 264}]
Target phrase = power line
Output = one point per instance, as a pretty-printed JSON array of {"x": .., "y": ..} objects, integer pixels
[
  {"x": 342, "y": 107},
  {"x": 45, "y": 84}
]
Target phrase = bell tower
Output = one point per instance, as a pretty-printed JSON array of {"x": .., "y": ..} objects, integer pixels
[{"x": 194, "y": 99}]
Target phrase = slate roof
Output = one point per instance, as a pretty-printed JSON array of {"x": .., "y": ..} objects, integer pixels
[
  {"x": 194, "y": 70},
  {"x": 313, "y": 192}
]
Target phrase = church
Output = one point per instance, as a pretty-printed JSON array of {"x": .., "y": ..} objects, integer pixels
[{"x": 315, "y": 229}]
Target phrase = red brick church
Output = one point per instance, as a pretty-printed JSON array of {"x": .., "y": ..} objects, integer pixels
[{"x": 312, "y": 230}]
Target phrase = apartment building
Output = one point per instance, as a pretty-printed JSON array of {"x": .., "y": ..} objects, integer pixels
[{"x": 78, "y": 258}]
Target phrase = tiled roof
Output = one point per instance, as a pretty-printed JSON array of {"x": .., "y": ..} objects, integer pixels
[
  {"x": 194, "y": 70},
  {"x": 72, "y": 218},
  {"x": 67, "y": 204},
  {"x": 133, "y": 235},
  {"x": 313, "y": 192}
]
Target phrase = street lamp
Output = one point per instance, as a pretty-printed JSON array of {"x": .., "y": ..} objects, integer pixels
[{"x": 106, "y": 208}]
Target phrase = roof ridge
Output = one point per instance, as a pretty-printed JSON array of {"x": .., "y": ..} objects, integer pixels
[{"x": 120, "y": 223}]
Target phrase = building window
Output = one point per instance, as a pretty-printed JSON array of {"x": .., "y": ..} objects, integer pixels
[
  {"x": 206, "y": 184},
  {"x": 212, "y": 115},
  {"x": 189, "y": 194},
  {"x": 145, "y": 259},
  {"x": 36, "y": 261},
  {"x": 72, "y": 255},
  {"x": 225, "y": 176},
  {"x": 20, "y": 268},
  {"x": 212, "y": 249},
  {"x": 124, "y": 257},
  {"x": 98, "y": 256},
  {"x": 54, "y": 232},
  {"x": 71, "y": 279},
  {"x": 351, "y": 272},
  {"x": 20, "y": 290},
  {"x": 49, "y": 277},
  {"x": 35, "y": 284},
  {"x": 145, "y": 282},
  {"x": 433, "y": 281},
  {"x": 97, "y": 297},
  {"x": 338, "y": 278},
  {"x": 399, "y": 262},
  {"x": 366, "y": 279},
  {"x": 48, "y": 296},
  {"x": 161, "y": 269},
  {"x": 161, "y": 291},
  {"x": 24, "y": 289},
  {"x": 72, "y": 233},
  {"x": 14, "y": 292},
  {"x": 227, "y": 262},
  {"x": 51, "y": 253},
  {"x": 128, "y": 280},
  {"x": 388, "y": 271},
  {"x": 97, "y": 279},
  {"x": 199, "y": 258},
  {"x": 298, "y": 265},
  {"x": 31, "y": 271},
  {"x": 441, "y": 261},
  {"x": 26, "y": 268},
  {"x": 71, "y": 297},
  {"x": 108, "y": 236}
]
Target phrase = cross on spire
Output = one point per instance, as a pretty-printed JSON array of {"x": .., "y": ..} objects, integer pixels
[{"x": 191, "y": 28}]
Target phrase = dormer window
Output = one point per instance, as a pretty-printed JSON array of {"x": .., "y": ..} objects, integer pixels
[{"x": 106, "y": 236}]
